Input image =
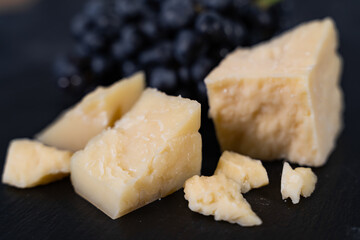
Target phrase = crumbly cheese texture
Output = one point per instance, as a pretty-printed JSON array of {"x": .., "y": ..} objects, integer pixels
[
  {"x": 294, "y": 183},
  {"x": 95, "y": 112},
  {"x": 249, "y": 173},
  {"x": 280, "y": 99},
  {"x": 148, "y": 154},
  {"x": 30, "y": 163},
  {"x": 219, "y": 196}
]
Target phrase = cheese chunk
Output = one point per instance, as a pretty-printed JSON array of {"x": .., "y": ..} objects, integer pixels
[
  {"x": 148, "y": 154},
  {"x": 221, "y": 197},
  {"x": 309, "y": 181},
  {"x": 294, "y": 183},
  {"x": 30, "y": 163},
  {"x": 95, "y": 112},
  {"x": 280, "y": 99},
  {"x": 249, "y": 173}
]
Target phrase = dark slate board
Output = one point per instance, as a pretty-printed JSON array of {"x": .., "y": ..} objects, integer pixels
[{"x": 30, "y": 39}]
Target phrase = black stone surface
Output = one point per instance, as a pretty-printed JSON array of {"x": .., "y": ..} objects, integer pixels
[{"x": 29, "y": 99}]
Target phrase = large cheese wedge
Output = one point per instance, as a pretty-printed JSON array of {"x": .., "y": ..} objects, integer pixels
[
  {"x": 249, "y": 173},
  {"x": 219, "y": 196},
  {"x": 148, "y": 154},
  {"x": 95, "y": 112},
  {"x": 280, "y": 99},
  {"x": 30, "y": 163}
]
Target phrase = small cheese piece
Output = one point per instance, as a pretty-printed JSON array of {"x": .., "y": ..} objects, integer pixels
[
  {"x": 148, "y": 154},
  {"x": 294, "y": 183},
  {"x": 219, "y": 196},
  {"x": 280, "y": 99},
  {"x": 291, "y": 184},
  {"x": 309, "y": 181},
  {"x": 30, "y": 163},
  {"x": 249, "y": 173},
  {"x": 95, "y": 112}
]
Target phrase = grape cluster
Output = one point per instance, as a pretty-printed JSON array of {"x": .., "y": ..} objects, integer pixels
[{"x": 176, "y": 42}]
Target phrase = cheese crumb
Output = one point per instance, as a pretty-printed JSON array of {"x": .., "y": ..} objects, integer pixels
[
  {"x": 219, "y": 196},
  {"x": 294, "y": 183},
  {"x": 249, "y": 173}
]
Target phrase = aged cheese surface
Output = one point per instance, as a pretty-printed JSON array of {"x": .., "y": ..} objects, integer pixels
[
  {"x": 280, "y": 99},
  {"x": 30, "y": 163},
  {"x": 148, "y": 154},
  {"x": 249, "y": 173},
  {"x": 219, "y": 196},
  {"x": 95, "y": 112},
  {"x": 294, "y": 183}
]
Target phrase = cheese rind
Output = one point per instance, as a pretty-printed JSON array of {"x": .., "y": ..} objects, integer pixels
[
  {"x": 219, "y": 196},
  {"x": 30, "y": 163},
  {"x": 95, "y": 112},
  {"x": 294, "y": 183},
  {"x": 249, "y": 173},
  {"x": 148, "y": 154},
  {"x": 280, "y": 99}
]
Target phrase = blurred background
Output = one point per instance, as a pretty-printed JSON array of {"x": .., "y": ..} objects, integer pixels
[{"x": 53, "y": 52}]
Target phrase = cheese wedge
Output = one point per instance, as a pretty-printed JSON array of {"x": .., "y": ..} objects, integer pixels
[
  {"x": 294, "y": 183},
  {"x": 147, "y": 155},
  {"x": 95, "y": 112},
  {"x": 280, "y": 99},
  {"x": 30, "y": 163},
  {"x": 219, "y": 196},
  {"x": 247, "y": 172}
]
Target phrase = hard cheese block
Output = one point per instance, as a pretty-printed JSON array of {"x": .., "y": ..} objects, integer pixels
[
  {"x": 249, "y": 173},
  {"x": 221, "y": 197},
  {"x": 280, "y": 99},
  {"x": 96, "y": 111},
  {"x": 30, "y": 163},
  {"x": 149, "y": 154},
  {"x": 294, "y": 183}
]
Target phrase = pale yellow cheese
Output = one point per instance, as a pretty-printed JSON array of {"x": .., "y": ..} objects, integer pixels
[
  {"x": 249, "y": 173},
  {"x": 280, "y": 99},
  {"x": 30, "y": 163},
  {"x": 309, "y": 181},
  {"x": 294, "y": 183},
  {"x": 148, "y": 154},
  {"x": 95, "y": 112},
  {"x": 219, "y": 196}
]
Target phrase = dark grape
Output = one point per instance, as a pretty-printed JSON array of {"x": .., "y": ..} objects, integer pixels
[
  {"x": 176, "y": 13},
  {"x": 201, "y": 68},
  {"x": 186, "y": 45},
  {"x": 94, "y": 8},
  {"x": 149, "y": 29},
  {"x": 163, "y": 79},
  {"x": 64, "y": 67},
  {"x": 121, "y": 50},
  {"x": 129, "y": 8},
  {"x": 159, "y": 54},
  {"x": 201, "y": 90},
  {"x": 184, "y": 76},
  {"x": 129, "y": 67},
  {"x": 240, "y": 7},
  {"x": 216, "y": 4},
  {"x": 99, "y": 65},
  {"x": 128, "y": 43},
  {"x": 80, "y": 25},
  {"x": 176, "y": 42},
  {"x": 93, "y": 41},
  {"x": 108, "y": 25},
  {"x": 210, "y": 24},
  {"x": 234, "y": 32}
]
